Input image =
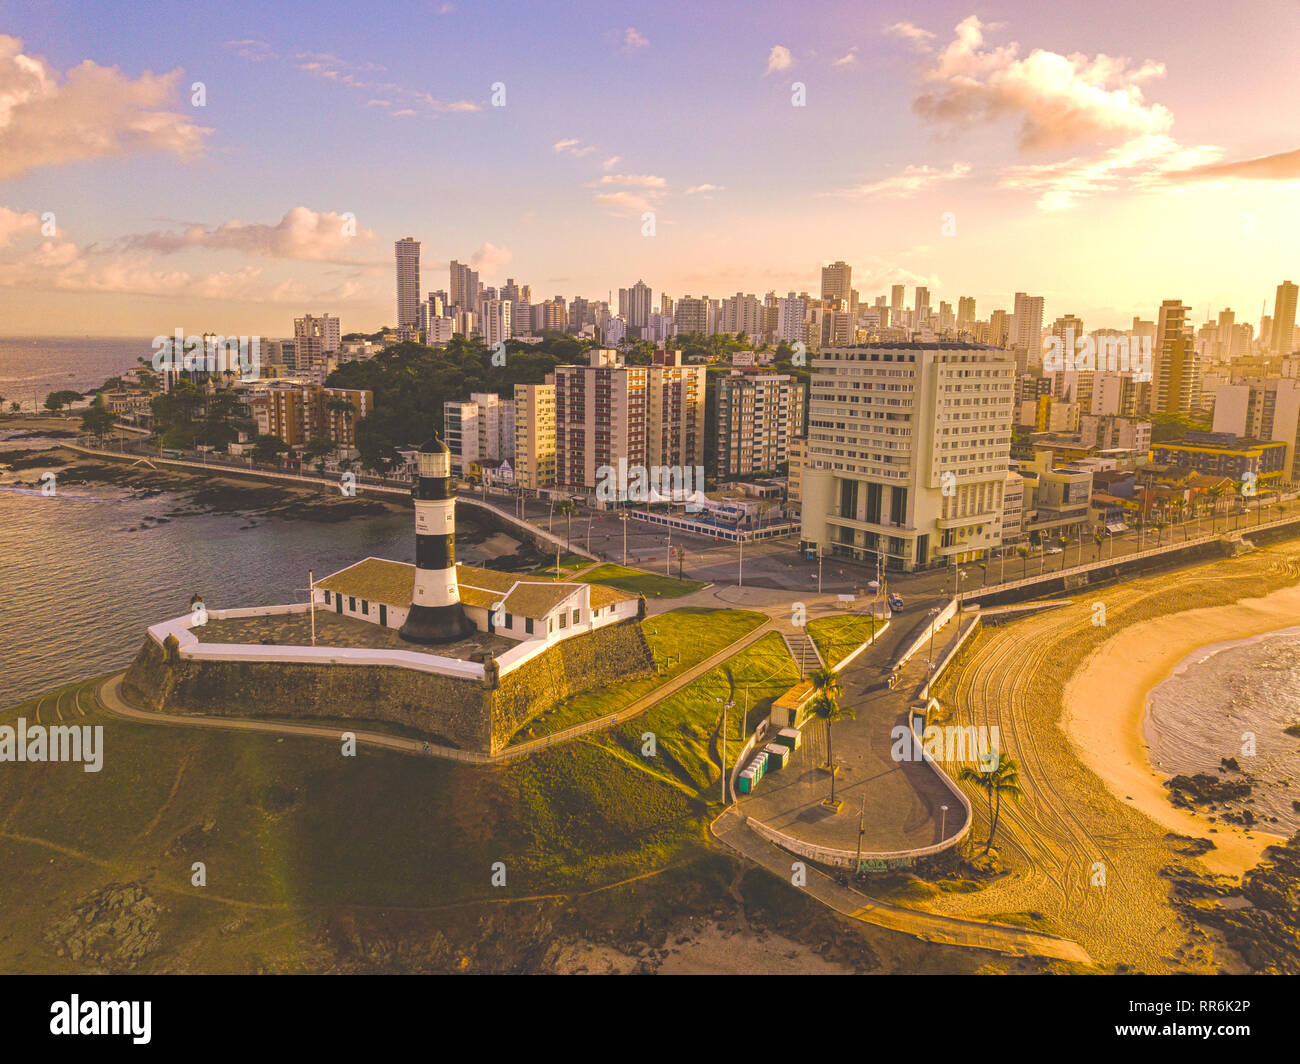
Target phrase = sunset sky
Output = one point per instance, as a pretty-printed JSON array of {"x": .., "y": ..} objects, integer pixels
[{"x": 1106, "y": 159}]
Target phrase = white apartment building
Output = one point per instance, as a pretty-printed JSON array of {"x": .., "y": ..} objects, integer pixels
[
  {"x": 907, "y": 452},
  {"x": 494, "y": 323},
  {"x": 1263, "y": 409},
  {"x": 481, "y": 429}
]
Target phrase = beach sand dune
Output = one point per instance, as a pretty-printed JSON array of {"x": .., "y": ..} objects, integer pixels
[{"x": 1085, "y": 845}]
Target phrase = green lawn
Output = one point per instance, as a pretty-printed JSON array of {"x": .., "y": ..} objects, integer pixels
[
  {"x": 686, "y": 725},
  {"x": 652, "y": 585},
  {"x": 837, "y": 637},
  {"x": 680, "y": 638},
  {"x": 569, "y": 564},
  {"x": 291, "y": 832}
]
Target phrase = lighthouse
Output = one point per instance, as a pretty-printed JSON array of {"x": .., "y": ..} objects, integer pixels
[{"x": 437, "y": 615}]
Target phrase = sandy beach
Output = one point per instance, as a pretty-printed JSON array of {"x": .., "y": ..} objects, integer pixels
[{"x": 1105, "y": 702}]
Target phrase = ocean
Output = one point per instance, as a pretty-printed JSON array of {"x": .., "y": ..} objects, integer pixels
[
  {"x": 32, "y": 367},
  {"x": 1216, "y": 701}
]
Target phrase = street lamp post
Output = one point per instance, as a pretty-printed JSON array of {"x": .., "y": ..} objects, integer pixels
[
  {"x": 929, "y": 664},
  {"x": 723, "y": 749},
  {"x": 622, "y": 516},
  {"x": 943, "y": 822}
]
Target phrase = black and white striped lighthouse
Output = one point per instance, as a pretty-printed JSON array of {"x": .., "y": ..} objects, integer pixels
[{"x": 437, "y": 615}]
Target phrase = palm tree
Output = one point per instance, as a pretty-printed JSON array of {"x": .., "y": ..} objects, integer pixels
[
  {"x": 1063, "y": 542},
  {"x": 984, "y": 582},
  {"x": 567, "y": 509},
  {"x": 1002, "y": 778},
  {"x": 1024, "y": 553},
  {"x": 1216, "y": 493},
  {"x": 826, "y": 705},
  {"x": 1098, "y": 537}
]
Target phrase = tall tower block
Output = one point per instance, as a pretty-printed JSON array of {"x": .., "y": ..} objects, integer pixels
[{"x": 437, "y": 615}]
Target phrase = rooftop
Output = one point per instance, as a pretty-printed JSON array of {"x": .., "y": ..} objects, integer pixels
[{"x": 393, "y": 583}]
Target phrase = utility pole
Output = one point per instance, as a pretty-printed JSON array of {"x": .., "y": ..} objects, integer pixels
[
  {"x": 622, "y": 516},
  {"x": 862, "y": 812},
  {"x": 311, "y": 601},
  {"x": 740, "y": 574},
  {"x": 819, "y": 568}
]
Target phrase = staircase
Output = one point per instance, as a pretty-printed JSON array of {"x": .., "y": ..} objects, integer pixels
[{"x": 804, "y": 651}]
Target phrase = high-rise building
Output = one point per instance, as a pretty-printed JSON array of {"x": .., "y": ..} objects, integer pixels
[
  {"x": 999, "y": 328},
  {"x": 692, "y": 315},
  {"x": 1262, "y": 409},
  {"x": 742, "y": 314},
  {"x": 791, "y": 313},
  {"x": 1176, "y": 367},
  {"x": 965, "y": 313},
  {"x": 407, "y": 252},
  {"x": 315, "y": 339},
  {"x": 837, "y": 281},
  {"x": 481, "y": 429},
  {"x": 495, "y": 323},
  {"x": 922, "y": 310},
  {"x": 756, "y": 415},
  {"x": 1282, "y": 341},
  {"x": 608, "y": 412},
  {"x": 897, "y": 298},
  {"x": 908, "y": 447},
  {"x": 1025, "y": 330},
  {"x": 535, "y": 435},
  {"x": 634, "y": 306},
  {"x": 463, "y": 289}
]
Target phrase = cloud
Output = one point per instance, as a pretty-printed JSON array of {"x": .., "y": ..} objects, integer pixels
[
  {"x": 624, "y": 201},
  {"x": 912, "y": 180},
  {"x": 13, "y": 225},
  {"x": 1284, "y": 166},
  {"x": 697, "y": 189},
  {"x": 779, "y": 58},
  {"x": 1060, "y": 100},
  {"x": 256, "y": 50},
  {"x": 573, "y": 146},
  {"x": 446, "y": 9},
  {"x": 489, "y": 258},
  {"x": 355, "y": 75},
  {"x": 62, "y": 266},
  {"x": 632, "y": 181},
  {"x": 611, "y": 161},
  {"x": 917, "y": 36},
  {"x": 94, "y": 112},
  {"x": 1141, "y": 164},
  {"x": 634, "y": 41},
  {"x": 302, "y": 234},
  {"x": 848, "y": 58}
]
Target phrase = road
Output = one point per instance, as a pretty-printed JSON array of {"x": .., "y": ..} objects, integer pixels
[{"x": 929, "y": 927}]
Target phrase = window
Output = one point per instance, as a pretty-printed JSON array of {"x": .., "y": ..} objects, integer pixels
[
  {"x": 576, "y": 616},
  {"x": 550, "y": 625},
  {"x": 365, "y": 607},
  {"x": 564, "y": 621},
  {"x": 510, "y": 620},
  {"x": 327, "y": 598},
  {"x": 352, "y": 604},
  {"x": 528, "y": 625}
]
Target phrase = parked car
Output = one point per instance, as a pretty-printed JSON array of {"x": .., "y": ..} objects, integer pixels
[
  {"x": 1053, "y": 550},
  {"x": 895, "y": 603}
]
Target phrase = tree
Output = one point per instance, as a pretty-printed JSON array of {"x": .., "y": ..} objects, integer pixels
[
  {"x": 56, "y": 401},
  {"x": 98, "y": 420},
  {"x": 15, "y": 407},
  {"x": 317, "y": 450},
  {"x": 566, "y": 509},
  {"x": 269, "y": 448},
  {"x": 1063, "y": 542},
  {"x": 1024, "y": 553},
  {"x": 1003, "y": 777},
  {"x": 826, "y": 705}
]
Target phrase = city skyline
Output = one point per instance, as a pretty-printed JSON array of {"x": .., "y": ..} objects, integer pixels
[{"x": 968, "y": 152}]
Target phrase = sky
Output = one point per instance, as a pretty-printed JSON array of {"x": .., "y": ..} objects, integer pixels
[{"x": 227, "y": 167}]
